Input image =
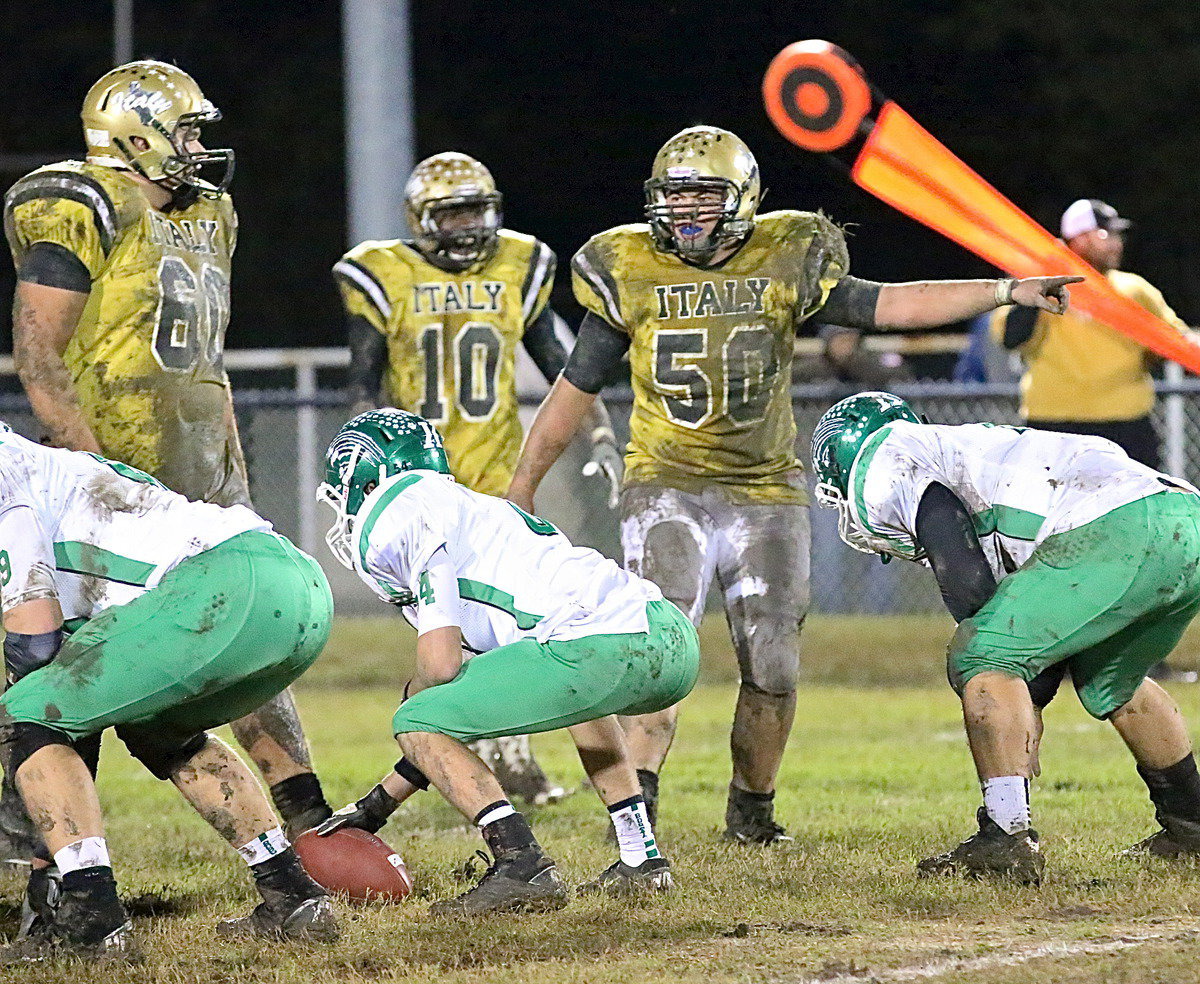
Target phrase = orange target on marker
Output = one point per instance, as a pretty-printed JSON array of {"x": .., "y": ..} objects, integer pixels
[
  {"x": 816, "y": 95},
  {"x": 819, "y": 99}
]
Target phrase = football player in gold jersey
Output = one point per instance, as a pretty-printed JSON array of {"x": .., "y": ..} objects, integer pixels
[
  {"x": 705, "y": 298},
  {"x": 122, "y": 300},
  {"x": 433, "y": 325}
]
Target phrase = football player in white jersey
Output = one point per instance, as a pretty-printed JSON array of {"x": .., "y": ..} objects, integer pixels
[
  {"x": 562, "y": 638},
  {"x": 126, "y": 606},
  {"x": 1053, "y": 552}
]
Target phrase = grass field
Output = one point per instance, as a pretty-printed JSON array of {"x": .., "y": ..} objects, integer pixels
[{"x": 878, "y": 776}]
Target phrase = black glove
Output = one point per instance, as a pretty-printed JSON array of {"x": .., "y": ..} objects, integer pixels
[
  {"x": 24, "y": 653},
  {"x": 370, "y": 814}
]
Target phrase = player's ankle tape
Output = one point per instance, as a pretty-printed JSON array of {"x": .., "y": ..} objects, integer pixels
[
  {"x": 745, "y": 796},
  {"x": 625, "y": 804},
  {"x": 297, "y": 794},
  {"x": 1175, "y": 790}
]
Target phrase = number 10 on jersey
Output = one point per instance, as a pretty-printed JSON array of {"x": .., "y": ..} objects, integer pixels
[{"x": 472, "y": 377}]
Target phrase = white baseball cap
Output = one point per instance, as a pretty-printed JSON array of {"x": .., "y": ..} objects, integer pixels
[{"x": 1089, "y": 214}]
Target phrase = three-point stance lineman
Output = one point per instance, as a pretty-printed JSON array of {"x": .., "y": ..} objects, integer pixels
[
  {"x": 564, "y": 637},
  {"x": 127, "y": 606},
  {"x": 1053, "y": 552}
]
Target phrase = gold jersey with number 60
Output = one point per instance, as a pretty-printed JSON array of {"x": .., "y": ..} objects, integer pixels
[
  {"x": 711, "y": 349},
  {"x": 451, "y": 342},
  {"x": 146, "y": 356}
]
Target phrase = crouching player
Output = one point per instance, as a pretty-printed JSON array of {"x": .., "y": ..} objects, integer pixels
[
  {"x": 565, "y": 639},
  {"x": 126, "y": 606},
  {"x": 1054, "y": 553}
]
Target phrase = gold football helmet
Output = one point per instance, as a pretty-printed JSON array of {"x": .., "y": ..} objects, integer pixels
[
  {"x": 454, "y": 210},
  {"x": 703, "y": 193},
  {"x": 164, "y": 107}
]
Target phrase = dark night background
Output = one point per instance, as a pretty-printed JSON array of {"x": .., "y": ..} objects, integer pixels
[{"x": 567, "y": 104}]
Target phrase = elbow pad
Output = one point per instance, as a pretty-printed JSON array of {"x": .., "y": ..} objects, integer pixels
[{"x": 24, "y": 653}]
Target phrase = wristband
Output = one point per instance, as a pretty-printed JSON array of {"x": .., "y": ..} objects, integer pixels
[
  {"x": 1004, "y": 291},
  {"x": 411, "y": 774}
]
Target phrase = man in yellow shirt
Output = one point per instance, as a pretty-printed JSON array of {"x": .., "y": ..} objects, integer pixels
[{"x": 1083, "y": 376}]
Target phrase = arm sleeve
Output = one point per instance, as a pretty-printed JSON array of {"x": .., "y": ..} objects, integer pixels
[
  {"x": 544, "y": 347},
  {"x": 852, "y": 303},
  {"x": 368, "y": 355},
  {"x": 947, "y": 536},
  {"x": 1019, "y": 323},
  {"x": 597, "y": 353},
  {"x": 438, "y": 601},
  {"x": 55, "y": 266},
  {"x": 26, "y": 558}
]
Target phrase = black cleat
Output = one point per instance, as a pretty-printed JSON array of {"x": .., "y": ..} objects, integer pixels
[
  {"x": 652, "y": 875},
  {"x": 1178, "y": 840},
  {"x": 293, "y": 907},
  {"x": 38, "y": 907},
  {"x": 511, "y": 761},
  {"x": 750, "y": 819},
  {"x": 519, "y": 881},
  {"x": 287, "y": 919},
  {"x": 991, "y": 853},
  {"x": 86, "y": 926}
]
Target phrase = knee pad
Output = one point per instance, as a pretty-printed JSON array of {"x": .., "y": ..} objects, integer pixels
[
  {"x": 769, "y": 657},
  {"x": 27, "y": 738},
  {"x": 162, "y": 757}
]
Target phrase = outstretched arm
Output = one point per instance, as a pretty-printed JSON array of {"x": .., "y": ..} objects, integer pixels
[
  {"x": 598, "y": 351},
  {"x": 928, "y": 303}
]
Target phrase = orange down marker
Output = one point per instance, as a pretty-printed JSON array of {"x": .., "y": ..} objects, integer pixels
[{"x": 819, "y": 98}]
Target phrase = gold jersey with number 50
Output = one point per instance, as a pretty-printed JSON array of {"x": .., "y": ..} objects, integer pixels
[
  {"x": 146, "y": 356},
  {"x": 711, "y": 349},
  {"x": 451, "y": 342}
]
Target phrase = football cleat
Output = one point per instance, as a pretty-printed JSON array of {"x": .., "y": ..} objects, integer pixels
[
  {"x": 1177, "y": 840},
  {"x": 750, "y": 819},
  {"x": 991, "y": 853},
  {"x": 38, "y": 907},
  {"x": 520, "y": 881},
  {"x": 621, "y": 879},
  {"x": 287, "y": 919}
]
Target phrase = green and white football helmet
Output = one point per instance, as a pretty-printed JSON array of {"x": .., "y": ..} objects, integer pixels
[
  {"x": 837, "y": 439},
  {"x": 368, "y": 449}
]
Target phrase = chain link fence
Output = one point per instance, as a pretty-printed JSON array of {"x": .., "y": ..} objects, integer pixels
[{"x": 285, "y": 429}]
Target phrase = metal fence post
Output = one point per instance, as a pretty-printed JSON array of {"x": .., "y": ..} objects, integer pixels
[
  {"x": 1173, "y": 439},
  {"x": 307, "y": 463}
]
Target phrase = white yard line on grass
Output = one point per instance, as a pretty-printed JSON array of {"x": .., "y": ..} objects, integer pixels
[{"x": 938, "y": 968}]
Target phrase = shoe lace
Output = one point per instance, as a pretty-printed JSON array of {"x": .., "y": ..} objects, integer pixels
[{"x": 469, "y": 870}]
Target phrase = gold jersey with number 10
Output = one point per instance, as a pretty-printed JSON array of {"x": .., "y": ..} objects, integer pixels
[
  {"x": 146, "y": 356},
  {"x": 711, "y": 349},
  {"x": 451, "y": 342}
]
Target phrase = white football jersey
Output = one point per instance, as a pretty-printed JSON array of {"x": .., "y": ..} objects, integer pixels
[
  {"x": 95, "y": 533},
  {"x": 518, "y": 576},
  {"x": 1020, "y": 485}
]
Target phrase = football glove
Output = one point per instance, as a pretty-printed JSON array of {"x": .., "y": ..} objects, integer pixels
[
  {"x": 606, "y": 460},
  {"x": 370, "y": 814}
]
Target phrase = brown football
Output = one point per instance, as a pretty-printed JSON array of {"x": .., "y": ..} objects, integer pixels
[{"x": 354, "y": 863}]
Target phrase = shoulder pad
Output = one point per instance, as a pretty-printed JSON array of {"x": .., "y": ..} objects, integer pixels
[
  {"x": 370, "y": 266},
  {"x": 113, "y": 199}
]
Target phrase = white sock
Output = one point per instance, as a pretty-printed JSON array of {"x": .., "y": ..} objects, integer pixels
[
  {"x": 264, "y": 847},
  {"x": 497, "y": 811},
  {"x": 1006, "y": 799},
  {"x": 91, "y": 852},
  {"x": 635, "y": 837}
]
